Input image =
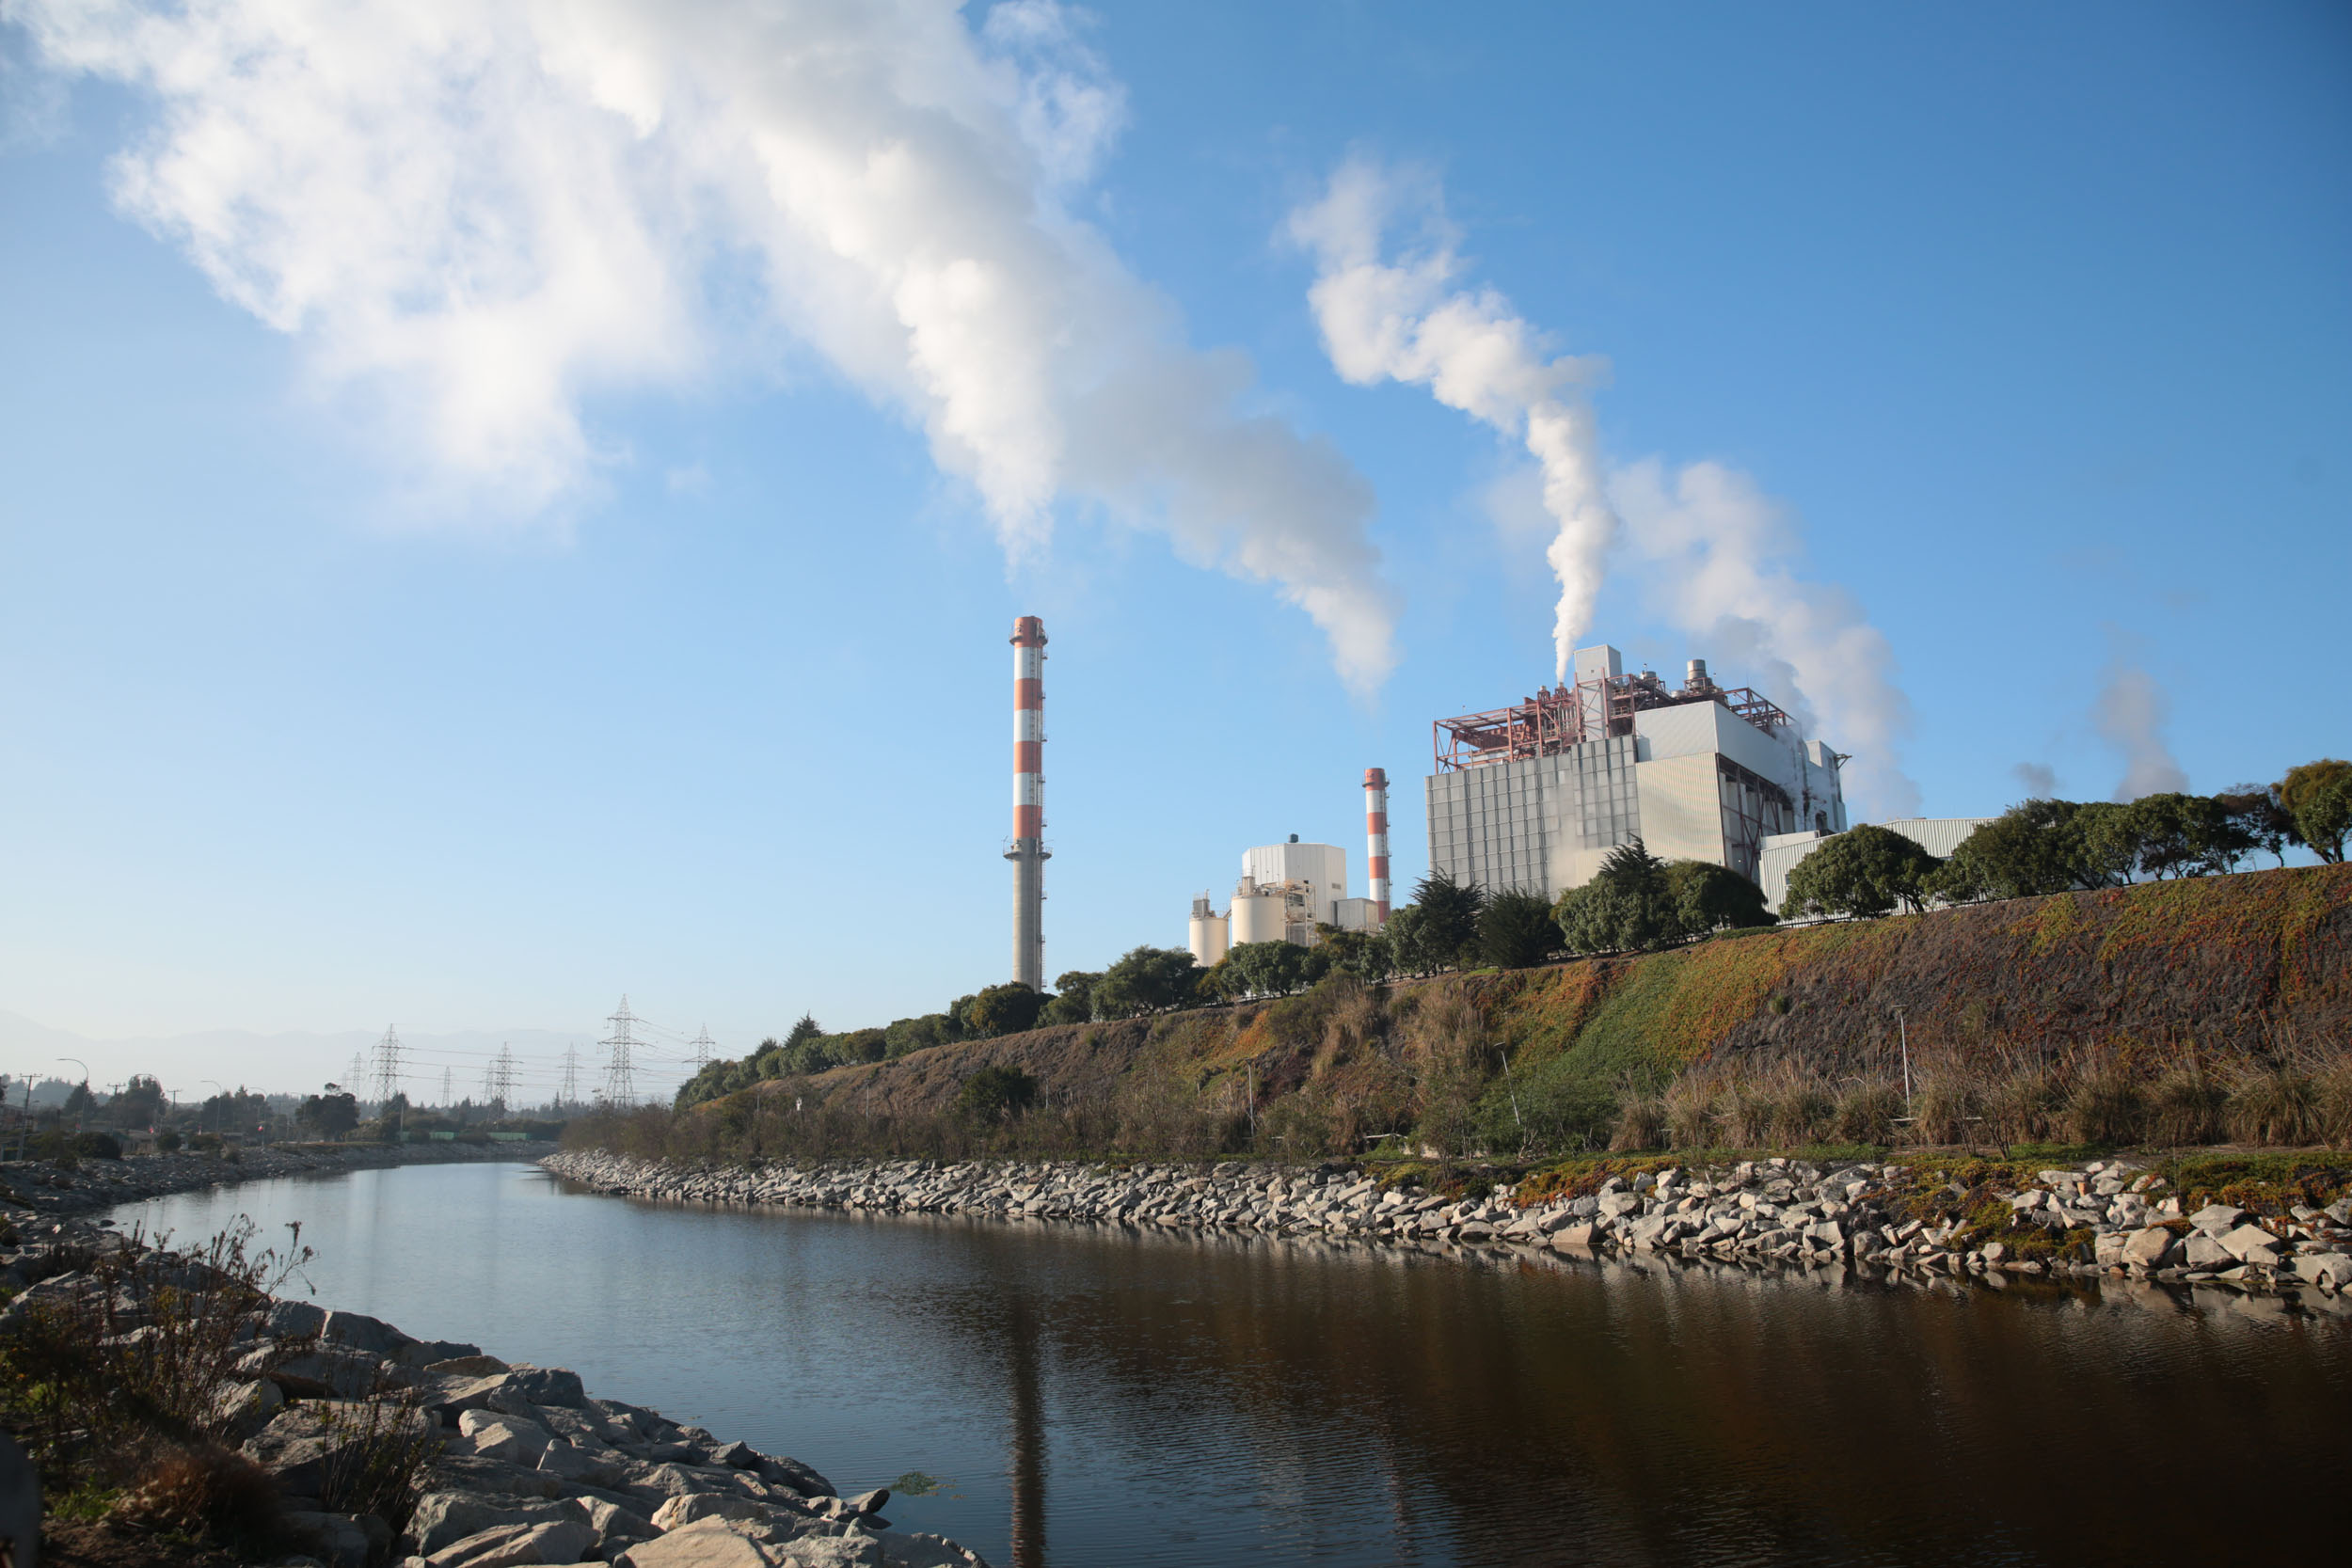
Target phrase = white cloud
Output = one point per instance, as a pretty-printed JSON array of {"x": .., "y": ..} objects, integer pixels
[{"x": 485, "y": 213}]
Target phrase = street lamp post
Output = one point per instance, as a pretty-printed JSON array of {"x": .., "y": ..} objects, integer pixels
[
  {"x": 224, "y": 1094},
  {"x": 85, "y": 1067}
]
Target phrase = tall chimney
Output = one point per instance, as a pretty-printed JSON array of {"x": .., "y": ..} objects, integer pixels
[
  {"x": 1028, "y": 853},
  {"x": 1377, "y": 838}
]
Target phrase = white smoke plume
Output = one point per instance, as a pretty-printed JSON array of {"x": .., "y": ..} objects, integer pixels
[
  {"x": 1406, "y": 318},
  {"x": 1717, "y": 558},
  {"x": 2039, "y": 779},
  {"x": 1719, "y": 561},
  {"x": 484, "y": 213},
  {"x": 2130, "y": 712}
]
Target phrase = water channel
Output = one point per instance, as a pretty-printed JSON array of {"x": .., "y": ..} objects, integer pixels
[{"x": 1098, "y": 1396}]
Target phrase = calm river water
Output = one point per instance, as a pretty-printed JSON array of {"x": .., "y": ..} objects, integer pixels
[{"x": 1099, "y": 1397}]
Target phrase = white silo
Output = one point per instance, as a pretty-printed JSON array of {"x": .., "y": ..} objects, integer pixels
[
  {"x": 1259, "y": 914},
  {"x": 1211, "y": 934}
]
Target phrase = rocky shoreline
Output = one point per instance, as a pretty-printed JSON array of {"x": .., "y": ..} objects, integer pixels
[
  {"x": 516, "y": 1463},
  {"x": 2106, "y": 1218},
  {"x": 33, "y": 1191}
]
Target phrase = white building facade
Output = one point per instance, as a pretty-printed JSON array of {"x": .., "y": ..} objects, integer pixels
[{"x": 1535, "y": 797}]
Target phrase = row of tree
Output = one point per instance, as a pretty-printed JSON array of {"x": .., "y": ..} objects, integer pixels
[{"x": 2044, "y": 846}]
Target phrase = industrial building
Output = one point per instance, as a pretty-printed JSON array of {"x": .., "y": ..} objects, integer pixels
[
  {"x": 1938, "y": 835},
  {"x": 1288, "y": 890},
  {"x": 1534, "y": 797}
]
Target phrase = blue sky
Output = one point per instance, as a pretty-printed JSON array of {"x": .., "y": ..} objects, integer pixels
[{"x": 2034, "y": 325}]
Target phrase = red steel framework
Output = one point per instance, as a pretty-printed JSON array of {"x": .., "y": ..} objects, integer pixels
[{"x": 1559, "y": 716}]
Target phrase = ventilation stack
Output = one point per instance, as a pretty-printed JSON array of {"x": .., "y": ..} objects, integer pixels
[
  {"x": 1376, "y": 840},
  {"x": 1028, "y": 853}
]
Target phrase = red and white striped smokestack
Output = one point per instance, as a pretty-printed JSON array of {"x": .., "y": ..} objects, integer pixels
[
  {"x": 1377, "y": 838},
  {"x": 1028, "y": 853}
]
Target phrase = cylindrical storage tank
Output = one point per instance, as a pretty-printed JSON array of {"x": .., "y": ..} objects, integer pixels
[
  {"x": 1210, "y": 938},
  {"x": 1259, "y": 917}
]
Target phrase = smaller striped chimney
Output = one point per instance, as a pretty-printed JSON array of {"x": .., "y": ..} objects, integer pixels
[
  {"x": 1377, "y": 838},
  {"x": 1028, "y": 853}
]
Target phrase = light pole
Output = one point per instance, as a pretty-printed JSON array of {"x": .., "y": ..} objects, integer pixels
[
  {"x": 85, "y": 1067},
  {"x": 224, "y": 1094}
]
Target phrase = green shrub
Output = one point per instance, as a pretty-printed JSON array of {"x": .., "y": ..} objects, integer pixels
[
  {"x": 2187, "y": 1108},
  {"x": 2103, "y": 1105},
  {"x": 1866, "y": 1112},
  {"x": 2274, "y": 1104}
]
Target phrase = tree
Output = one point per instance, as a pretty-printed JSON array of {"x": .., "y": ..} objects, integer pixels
[
  {"x": 1073, "y": 998},
  {"x": 2317, "y": 797},
  {"x": 1270, "y": 968},
  {"x": 1448, "y": 926},
  {"x": 140, "y": 1103},
  {"x": 1406, "y": 936},
  {"x": 2259, "y": 818},
  {"x": 1516, "y": 930},
  {"x": 1710, "y": 897},
  {"x": 1005, "y": 1009},
  {"x": 1147, "y": 980},
  {"x": 79, "y": 1101},
  {"x": 333, "y": 1114},
  {"x": 1628, "y": 906},
  {"x": 2106, "y": 844},
  {"x": 2035, "y": 847},
  {"x": 995, "y": 1094},
  {"x": 2181, "y": 836},
  {"x": 917, "y": 1034},
  {"x": 1362, "y": 953},
  {"x": 1866, "y": 870}
]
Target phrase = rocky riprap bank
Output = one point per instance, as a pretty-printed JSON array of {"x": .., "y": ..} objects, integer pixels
[
  {"x": 32, "y": 1191},
  {"x": 1775, "y": 1212},
  {"x": 524, "y": 1465}
]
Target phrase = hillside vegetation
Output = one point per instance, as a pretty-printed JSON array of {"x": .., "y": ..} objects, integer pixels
[{"x": 2186, "y": 1012}]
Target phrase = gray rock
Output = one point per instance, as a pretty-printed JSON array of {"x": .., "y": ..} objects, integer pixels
[
  {"x": 2204, "y": 1252},
  {"x": 427, "y": 1354},
  {"x": 496, "y": 1436},
  {"x": 507, "y": 1545},
  {"x": 692, "y": 1508},
  {"x": 871, "y": 1502},
  {"x": 300, "y": 1443},
  {"x": 741, "y": 1456},
  {"x": 709, "y": 1545},
  {"x": 616, "y": 1528},
  {"x": 555, "y": 1386},
  {"x": 2214, "y": 1218},
  {"x": 2251, "y": 1244},
  {"x": 918, "y": 1550},
  {"x": 2150, "y": 1247},
  {"x": 572, "y": 1463},
  {"x": 2330, "y": 1269},
  {"x": 361, "y": 1332},
  {"x": 444, "y": 1518},
  {"x": 293, "y": 1319}
]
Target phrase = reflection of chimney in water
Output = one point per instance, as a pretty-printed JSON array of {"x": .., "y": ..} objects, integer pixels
[{"x": 1026, "y": 1465}]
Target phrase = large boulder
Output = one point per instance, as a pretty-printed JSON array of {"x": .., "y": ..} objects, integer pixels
[
  {"x": 338, "y": 1540},
  {"x": 361, "y": 1332},
  {"x": 695, "y": 1506},
  {"x": 2330, "y": 1269},
  {"x": 2150, "y": 1247},
  {"x": 303, "y": 1444},
  {"x": 708, "y": 1545},
  {"x": 572, "y": 1463},
  {"x": 556, "y": 1386},
  {"x": 425, "y": 1355},
  {"x": 293, "y": 1319},
  {"x": 511, "y": 1438},
  {"x": 507, "y": 1545},
  {"x": 443, "y": 1518},
  {"x": 2251, "y": 1244}
]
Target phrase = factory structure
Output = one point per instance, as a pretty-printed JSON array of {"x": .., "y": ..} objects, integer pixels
[
  {"x": 1028, "y": 853},
  {"x": 1534, "y": 795},
  {"x": 1289, "y": 892}
]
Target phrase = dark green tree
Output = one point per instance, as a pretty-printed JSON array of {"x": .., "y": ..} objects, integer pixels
[
  {"x": 1710, "y": 897},
  {"x": 995, "y": 1095},
  {"x": 2257, "y": 815},
  {"x": 2184, "y": 835},
  {"x": 1448, "y": 931},
  {"x": 138, "y": 1103},
  {"x": 1864, "y": 871},
  {"x": 2317, "y": 797},
  {"x": 919, "y": 1034},
  {"x": 1147, "y": 980},
  {"x": 1270, "y": 968},
  {"x": 1628, "y": 906},
  {"x": 1515, "y": 930},
  {"x": 1362, "y": 953},
  {"x": 1074, "y": 997},
  {"x": 1405, "y": 937},
  {"x": 332, "y": 1115},
  {"x": 1005, "y": 1009}
]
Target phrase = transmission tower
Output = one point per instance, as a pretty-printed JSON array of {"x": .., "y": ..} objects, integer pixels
[
  {"x": 358, "y": 1082},
  {"x": 449, "y": 1096},
  {"x": 387, "y": 1068},
  {"x": 571, "y": 1075},
  {"x": 489, "y": 1081},
  {"x": 620, "y": 1072},
  {"x": 701, "y": 1045},
  {"x": 504, "y": 1067}
]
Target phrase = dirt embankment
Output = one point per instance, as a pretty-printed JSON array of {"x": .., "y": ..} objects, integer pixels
[{"x": 2251, "y": 964}]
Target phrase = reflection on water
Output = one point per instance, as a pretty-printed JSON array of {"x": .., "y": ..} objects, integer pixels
[{"x": 1105, "y": 1396}]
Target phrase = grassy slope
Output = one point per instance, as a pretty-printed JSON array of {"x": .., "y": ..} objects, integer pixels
[{"x": 2227, "y": 963}]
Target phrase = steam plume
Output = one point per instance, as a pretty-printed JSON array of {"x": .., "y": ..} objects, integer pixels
[
  {"x": 484, "y": 214},
  {"x": 1406, "y": 319},
  {"x": 2131, "y": 714},
  {"x": 1717, "y": 558}
]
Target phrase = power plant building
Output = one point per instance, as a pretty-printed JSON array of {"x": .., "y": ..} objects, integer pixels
[
  {"x": 1286, "y": 892},
  {"x": 1534, "y": 797}
]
